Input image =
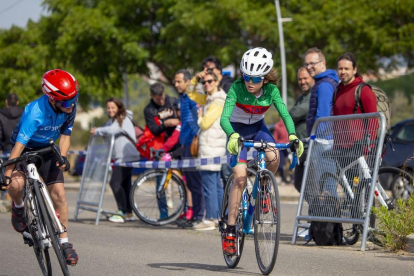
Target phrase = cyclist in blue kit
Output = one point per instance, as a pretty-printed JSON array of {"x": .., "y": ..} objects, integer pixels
[{"x": 48, "y": 118}]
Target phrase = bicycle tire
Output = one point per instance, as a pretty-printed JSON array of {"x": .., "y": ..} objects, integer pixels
[
  {"x": 144, "y": 200},
  {"x": 51, "y": 230},
  {"x": 267, "y": 212},
  {"x": 34, "y": 225},
  {"x": 401, "y": 185}
]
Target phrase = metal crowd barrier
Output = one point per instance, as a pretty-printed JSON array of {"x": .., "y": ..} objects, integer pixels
[
  {"x": 340, "y": 171},
  {"x": 95, "y": 176}
]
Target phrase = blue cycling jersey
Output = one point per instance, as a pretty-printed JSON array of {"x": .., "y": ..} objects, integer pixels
[{"x": 40, "y": 123}]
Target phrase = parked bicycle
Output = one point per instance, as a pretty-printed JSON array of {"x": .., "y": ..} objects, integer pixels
[
  {"x": 158, "y": 196},
  {"x": 43, "y": 225},
  {"x": 259, "y": 211},
  {"x": 354, "y": 178}
]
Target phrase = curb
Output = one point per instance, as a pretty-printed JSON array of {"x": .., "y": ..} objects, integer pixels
[{"x": 410, "y": 243}]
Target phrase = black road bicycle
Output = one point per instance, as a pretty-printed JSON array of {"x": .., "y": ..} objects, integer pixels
[{"x": 43, "y": 226}]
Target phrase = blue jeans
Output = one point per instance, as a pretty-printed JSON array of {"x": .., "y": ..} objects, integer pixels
[
  {"x": 321, "y": 165},
  {"x": 162, "y": 202},
  {"x": 213, "y": 193}
]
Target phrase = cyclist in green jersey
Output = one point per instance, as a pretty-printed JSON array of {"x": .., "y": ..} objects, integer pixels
[{"x": 243, "y": 116}]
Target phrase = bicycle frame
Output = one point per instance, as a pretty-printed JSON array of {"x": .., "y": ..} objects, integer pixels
[
  {"x": 34, "y": 179},
  {"x": 249, "y": 199},
  {"x": 364, "y": 169}
]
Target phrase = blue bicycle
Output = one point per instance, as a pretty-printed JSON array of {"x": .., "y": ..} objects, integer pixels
[{"x": 259, "y": 209}]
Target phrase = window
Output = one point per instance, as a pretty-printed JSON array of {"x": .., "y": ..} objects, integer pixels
[{"x": 406, "y": 134}]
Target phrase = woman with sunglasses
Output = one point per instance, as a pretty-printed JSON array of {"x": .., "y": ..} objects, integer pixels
[
  {"x": 120, "y": 124},
  {"x": 212, "y": 142},
  {"x": 243, "y": 116},
  {"x": 50, "y": 117}
]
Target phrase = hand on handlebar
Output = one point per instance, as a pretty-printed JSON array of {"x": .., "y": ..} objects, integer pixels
[
  {"x": 233, "y": 144},
  {"x": 5, "y": 182},
  {"x": 65, "y": 166},
  {"x": 296, "y": 145}
]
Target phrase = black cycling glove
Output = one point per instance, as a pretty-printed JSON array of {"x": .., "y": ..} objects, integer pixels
[{"x": 66, "y": 163}]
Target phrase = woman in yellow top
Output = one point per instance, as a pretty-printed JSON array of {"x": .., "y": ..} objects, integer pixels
[{"x": 212, "y": 143}]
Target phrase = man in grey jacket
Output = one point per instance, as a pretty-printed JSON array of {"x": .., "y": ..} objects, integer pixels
[{"x": 298, "y": 113}]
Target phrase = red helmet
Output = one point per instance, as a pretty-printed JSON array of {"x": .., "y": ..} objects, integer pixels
[{"x": 59, "y": 85}]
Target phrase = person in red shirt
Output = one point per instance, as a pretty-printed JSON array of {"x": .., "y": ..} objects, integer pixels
[
  {"x": 281, "y": 136},
  {"x": 344, "y": 103}
]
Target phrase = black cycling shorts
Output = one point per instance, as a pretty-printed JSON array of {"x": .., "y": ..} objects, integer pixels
[{"x": 48, "y": 171}]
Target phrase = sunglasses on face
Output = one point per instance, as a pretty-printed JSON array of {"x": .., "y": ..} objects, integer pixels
[
  {"x": 68, "y": 103},
  {"x": 254, "y": 79},
  {"x": 207, "y": 81}
]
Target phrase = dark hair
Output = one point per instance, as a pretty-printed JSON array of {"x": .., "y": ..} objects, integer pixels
[
  {"x": 315, "y": 50},
  {"x": 350, "y": 57},
  {"x": 214, "y": 60},
  {"x": 157, "y": 89},
  {"x": 12, "y": 99},
  {"x": 187, "y": 75},
  {"x": 121, "y": 114}
]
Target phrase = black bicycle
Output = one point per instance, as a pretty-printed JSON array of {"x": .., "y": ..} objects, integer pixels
[{"x": 43, "y": 226}]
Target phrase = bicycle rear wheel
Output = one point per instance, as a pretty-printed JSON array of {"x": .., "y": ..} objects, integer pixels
[
  {"x": 36, "y": 229},
  {"x": 159, "y": 209},
  {"x": 267, "y": 222},
  {"x": 52, "y": 232}
]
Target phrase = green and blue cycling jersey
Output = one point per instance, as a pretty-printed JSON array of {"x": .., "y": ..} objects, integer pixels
[
  {"x": 243, "y": 107},
  {"x": 40, "y": 123}
]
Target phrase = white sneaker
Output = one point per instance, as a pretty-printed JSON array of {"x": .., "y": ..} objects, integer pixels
[
  {"x": 205, "y": 225},
  {"x": 129, "y": 217},
  {"x": 117, "y": 218}
]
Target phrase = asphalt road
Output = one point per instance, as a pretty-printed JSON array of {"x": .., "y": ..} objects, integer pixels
[{"x": 137, "y": 249}]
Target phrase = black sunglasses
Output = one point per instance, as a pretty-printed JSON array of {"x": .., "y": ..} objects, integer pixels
[{"x": 204, "y": 82}]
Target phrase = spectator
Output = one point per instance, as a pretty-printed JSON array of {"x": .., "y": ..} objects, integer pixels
[
  {"x": 120, "y": 124},
  {"x": 326, "y": 81},
  {"x": 281, "y": 136},
  {"x": 213, "y": 64},
  {"x": 189, "y": 129},
  {"x": 161, "y": 119},
  {"x": 212, "y": 142},
  {"x": 320, "y": 104},
  {"x": 298, "y": 113},
  {"x": 344, "y": 102},
  {"x": 9, "y": 118}
]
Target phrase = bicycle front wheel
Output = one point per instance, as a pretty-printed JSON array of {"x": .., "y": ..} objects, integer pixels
[
  {"x": 36, "y": 230},
  {"x": 267, "y": 222},
  {"x": 153, "y": 207},
  {"x": 52, "y": 232}
]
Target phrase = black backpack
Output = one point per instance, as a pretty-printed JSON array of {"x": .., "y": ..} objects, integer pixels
[{"x": 325, "y": 233}]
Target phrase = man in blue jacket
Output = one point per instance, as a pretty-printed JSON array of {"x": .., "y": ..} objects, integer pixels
[
  {"x": 189, "y": 129},
  {"x": 320, "y": 105},
  {"x": 326, "y": 81}
]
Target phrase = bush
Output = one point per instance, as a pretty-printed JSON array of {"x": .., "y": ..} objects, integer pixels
[{"x": 396, "y": 224}]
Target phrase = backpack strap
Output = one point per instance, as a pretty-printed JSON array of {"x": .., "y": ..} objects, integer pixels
[{"x": 358, "y": 97}]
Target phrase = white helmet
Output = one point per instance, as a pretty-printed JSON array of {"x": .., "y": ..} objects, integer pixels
[{"x": 256, "y": 62}]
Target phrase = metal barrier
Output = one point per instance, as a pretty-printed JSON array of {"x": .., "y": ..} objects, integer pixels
[
  {"x": 95, "y": 176},
  {"x": 341, "y": 168}
]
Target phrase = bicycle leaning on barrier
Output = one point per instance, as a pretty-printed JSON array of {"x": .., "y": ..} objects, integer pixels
[
  {"x": 355, "y": 185},
  {"x": 43, "y": 226},
  {"x": 259, "y": 211},
  {"x": 158, "y": 196}
]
